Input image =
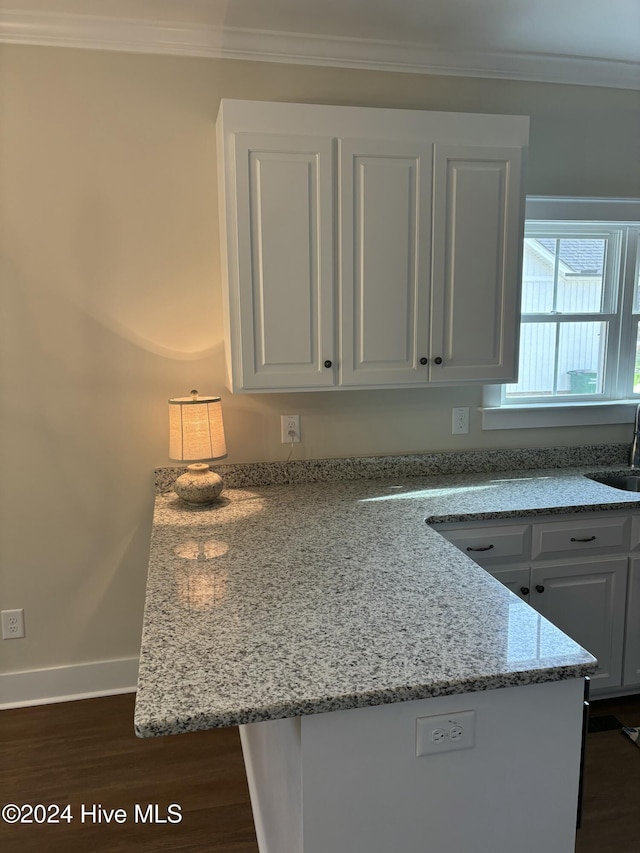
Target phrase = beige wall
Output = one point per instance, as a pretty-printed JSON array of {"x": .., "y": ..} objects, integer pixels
[{"x": 111, "y": 304}]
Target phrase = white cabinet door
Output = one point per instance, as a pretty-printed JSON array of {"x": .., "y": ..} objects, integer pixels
[
  {"x": 476, "y": 263},
  {"x": 385, "y": 205},
  {"x": 631, "y": 673},
  {"x": 285, "y": 262},
  {"x": 515, "y": 579},
  {"x": 586, "y": 600}
]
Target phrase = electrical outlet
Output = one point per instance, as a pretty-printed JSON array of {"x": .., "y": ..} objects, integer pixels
[
  {"x": 12, "y": 624},
  {"x": 290, "y": 429},
  {"x": 460, "y": 420},
  {"x": 445, "y": 733}
]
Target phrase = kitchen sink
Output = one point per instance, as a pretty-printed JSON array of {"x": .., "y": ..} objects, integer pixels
[{"x": 626, "y": 482}]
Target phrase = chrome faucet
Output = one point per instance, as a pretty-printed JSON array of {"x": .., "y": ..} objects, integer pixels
[{"x": 634, "y": 459}]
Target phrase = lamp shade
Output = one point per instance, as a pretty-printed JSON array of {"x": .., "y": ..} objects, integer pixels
[{"x": 196, "y": 430}]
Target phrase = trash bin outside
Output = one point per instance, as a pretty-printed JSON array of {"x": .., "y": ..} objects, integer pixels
[{"x": 582, "y": 381}]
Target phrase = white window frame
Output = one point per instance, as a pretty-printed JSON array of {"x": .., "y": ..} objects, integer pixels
[{"x": 617, "y": 406}]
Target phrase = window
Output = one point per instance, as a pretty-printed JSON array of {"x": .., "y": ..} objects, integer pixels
[{"x": 580, "y": 317}]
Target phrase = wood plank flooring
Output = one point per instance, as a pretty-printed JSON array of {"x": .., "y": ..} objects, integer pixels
[
  {"x": 86, "y": 753},
  {"x": 611, "y": 813}
]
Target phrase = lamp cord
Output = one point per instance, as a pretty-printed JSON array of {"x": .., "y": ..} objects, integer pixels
[{"x": 292, "y": 434}]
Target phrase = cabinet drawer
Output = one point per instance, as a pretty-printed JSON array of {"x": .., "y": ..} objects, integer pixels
[
  {"x": 583, "y": 536},
  {"x": 488, "y": 544}
]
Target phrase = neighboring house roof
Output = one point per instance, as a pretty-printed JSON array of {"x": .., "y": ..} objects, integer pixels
[{"x": 583, "y": 257}]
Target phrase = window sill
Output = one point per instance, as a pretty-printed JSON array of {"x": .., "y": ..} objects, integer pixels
[{"x": 558, "y": 414}]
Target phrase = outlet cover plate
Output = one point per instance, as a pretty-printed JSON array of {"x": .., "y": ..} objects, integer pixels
[
  {"x": 460, "y": 420},
  {"x": 289, "y": 423},
  {"x": 12, "y": 624},
  {"x": 445, "y": 732}
]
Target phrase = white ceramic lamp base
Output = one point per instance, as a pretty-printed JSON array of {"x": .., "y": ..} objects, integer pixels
[{"x": 199, "y": 485}]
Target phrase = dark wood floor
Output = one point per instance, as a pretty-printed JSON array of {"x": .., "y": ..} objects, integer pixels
[
  {"x": 611, "y": 814},
  {"x": 86, "y": 753}
]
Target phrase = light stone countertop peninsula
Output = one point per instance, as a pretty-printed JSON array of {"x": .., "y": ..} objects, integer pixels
[{"x": 289, "y": 600}]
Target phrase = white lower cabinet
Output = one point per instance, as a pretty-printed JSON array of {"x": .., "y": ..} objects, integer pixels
[
  {"x": 578, "y": 573},
  {"x": 518, "y": 580},
  {"x": 351, "y": 780},
  {"x": 586, "y": 600},
  {"x": 631, "y": 673}
]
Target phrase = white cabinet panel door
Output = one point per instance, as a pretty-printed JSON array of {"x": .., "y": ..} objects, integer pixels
[
  {"x": 476, "y": 262},
  {"x": 515, "y": 579},
  {"x": 586, "y": 600},
  {"x": 631, "y": 675},
  {"x": 285, "y": 257},
  {"x": 385, "y": 203}
]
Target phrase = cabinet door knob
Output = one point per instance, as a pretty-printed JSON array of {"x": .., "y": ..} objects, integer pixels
[
  {"x": 328, "y": 363},
  {"x": 524, "y": 590},
  {"x": 539, "y": 588},
  {"x": 423, "y": 360},
  {"x": 438, "y": 360}
]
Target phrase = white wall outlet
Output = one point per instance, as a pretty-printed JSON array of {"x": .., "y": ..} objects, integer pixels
[
  {"x": 290, "y": 429},
  {"x": 12, "y": 624},
  {"x": 445, "y": 732},
  {"x": 460, "y": 420}
]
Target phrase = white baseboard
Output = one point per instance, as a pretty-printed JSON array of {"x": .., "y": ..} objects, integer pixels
[{"x": 66, "y": 683}]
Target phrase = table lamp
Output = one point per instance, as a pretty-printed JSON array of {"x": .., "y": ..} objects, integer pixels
[{"x": 196, "y": 433}]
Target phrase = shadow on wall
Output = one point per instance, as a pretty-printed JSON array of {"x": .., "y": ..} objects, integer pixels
[
  {"x": 172, "y": 315},
  {"x": 84, "y": 423}
]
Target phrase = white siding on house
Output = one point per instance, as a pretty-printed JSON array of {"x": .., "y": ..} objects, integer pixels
[{"x": 550, "y": 350}]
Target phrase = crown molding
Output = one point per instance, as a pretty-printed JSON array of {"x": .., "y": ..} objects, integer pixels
[{"x": 140, "y": 36}]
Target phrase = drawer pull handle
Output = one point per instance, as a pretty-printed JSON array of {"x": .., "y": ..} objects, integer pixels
[
  {"x": 524, "y": 590},
  {"x": 539, "y": 588},
  {"x": 588, "y": 539},
  {"x": 486, "y": 548}
]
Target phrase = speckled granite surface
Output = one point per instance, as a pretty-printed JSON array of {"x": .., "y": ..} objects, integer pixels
[
  {"x": 300, "y": 599},
  {"x": 413, "y": 465}
]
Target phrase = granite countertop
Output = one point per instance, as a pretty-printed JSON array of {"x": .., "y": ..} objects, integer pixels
[{"x": 288, "y": 600}]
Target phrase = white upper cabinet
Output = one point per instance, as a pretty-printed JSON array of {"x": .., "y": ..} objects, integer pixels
[
  {"x": 367, "y": 248},
  {"x": 283, "y": 263},
  {"x": 476, "y": 262},
  {"x": 385, "y": 228}
]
